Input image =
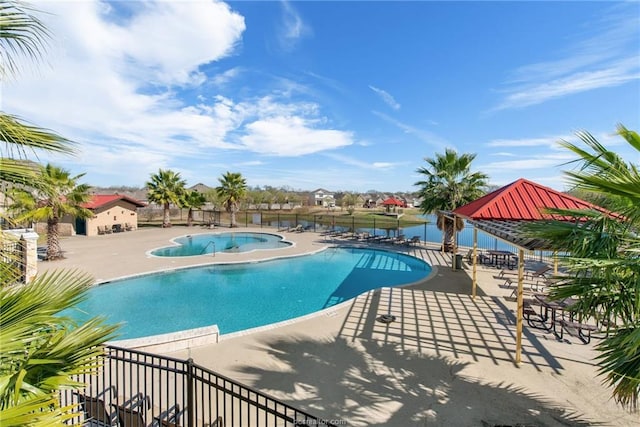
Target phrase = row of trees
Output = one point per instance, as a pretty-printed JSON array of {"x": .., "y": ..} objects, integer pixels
[{"x": 167, "y": 187}]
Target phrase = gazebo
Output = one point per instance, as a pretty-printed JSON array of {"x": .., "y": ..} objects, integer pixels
[{"x": 502, "y": 213}]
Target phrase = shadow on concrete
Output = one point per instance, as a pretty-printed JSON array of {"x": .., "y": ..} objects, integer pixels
[{"x": 372, "y": 383}]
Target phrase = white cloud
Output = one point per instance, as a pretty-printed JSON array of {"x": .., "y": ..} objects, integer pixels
[
  {"x": 293, "y": 28},
  {"x": 350, "y": 161},
  {"x": 115, "y": 86},
  {"x": 537, "y": 93},
  {"x": 539, "y": 162},
  {"x": 386, "y": 97},
  {"x": 291, "y": 136},
  {"x": 423, "y": 135},
  {"x": 526, "y": 142},
  {"x": 608, "y": 57}
]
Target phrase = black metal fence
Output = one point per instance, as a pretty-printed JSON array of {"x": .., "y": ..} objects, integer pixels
[
  {"x": 375, "y": 225},
  {"x": 389, "y": 227},
  {"x": 12, "y": 259},
  {"x": 135, "y": 388}
]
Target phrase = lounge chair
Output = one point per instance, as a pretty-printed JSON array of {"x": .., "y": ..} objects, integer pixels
[
  {"x": 172, "y": 417},
  {"x": 480, "y": 257},
  {"x": 95, "y": 409},
  {"x": 400, "y": 239},
  {"x": 134, "y": 411},
  {"x": 415, "y": 240},
  {"x": 540, "y": 273},
  {"x": 510, "y": 283}
]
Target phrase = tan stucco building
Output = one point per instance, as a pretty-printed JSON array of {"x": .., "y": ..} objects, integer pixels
[{"x": 111, "y": 212}]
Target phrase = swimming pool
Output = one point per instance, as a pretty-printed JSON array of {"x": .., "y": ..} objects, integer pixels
[
  {"x": 208, "y": 243},
  {"x": 243, "y": 296}
]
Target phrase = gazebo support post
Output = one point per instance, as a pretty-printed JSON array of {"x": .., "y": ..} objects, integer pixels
[
  {"x": 474, "y": 281},
  {"x": 519, "y": 313},
  {"x": 555, "y": 263},
  {"x": 454, "y": 250}
]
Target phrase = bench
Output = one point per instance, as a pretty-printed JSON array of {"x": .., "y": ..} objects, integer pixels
[{"x": 578, "y": 326}]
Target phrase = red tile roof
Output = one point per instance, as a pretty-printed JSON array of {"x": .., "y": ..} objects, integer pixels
[
  {"x": 522, "y": 200},
  {"x": 99, "y": 200}
]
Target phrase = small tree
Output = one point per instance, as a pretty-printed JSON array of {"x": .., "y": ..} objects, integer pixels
[
  {"x": 58, "y": 195},
  {"x": 166, "y": 188},
  {"x": 232, "y": 189},
  {"x": 191, "y": 200},
  {"x": 449, "y": 183},
  {"x": 349, "y": 201}
]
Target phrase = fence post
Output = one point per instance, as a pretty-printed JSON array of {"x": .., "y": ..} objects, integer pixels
[
  {"x": 190, "y": 390},
  {"x": 425, "y": 232}
]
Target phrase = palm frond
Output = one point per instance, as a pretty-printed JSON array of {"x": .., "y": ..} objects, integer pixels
[
  {"x": 21, "y": 34},
  {"x": 19, "y": 136},
  {"x": 41, "y": 347}
]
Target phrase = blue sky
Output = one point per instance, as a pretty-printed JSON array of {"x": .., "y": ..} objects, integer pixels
[{"x": 340, "y": 95}]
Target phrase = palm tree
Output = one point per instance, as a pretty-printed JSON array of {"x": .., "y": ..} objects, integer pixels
[
  {"x": 449, "y": 183},
  {"x": 42, "y": 349},
  {"x": 232, "y": 189},
  {"x": 604, "y": 262},
  {"x": 191, "y": 200},
  {"x": 59, "y": 195},
  {"x": 166, "y": 188}
]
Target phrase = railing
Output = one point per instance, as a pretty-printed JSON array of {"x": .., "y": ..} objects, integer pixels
[
  {"x": 211, "y": 243},
  {"x": 143, "y": 389}
]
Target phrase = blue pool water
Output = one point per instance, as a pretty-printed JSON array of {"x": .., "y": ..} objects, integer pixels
[
  {"x": 201, "y": 244},
  {"x": 242, "y": 296}
]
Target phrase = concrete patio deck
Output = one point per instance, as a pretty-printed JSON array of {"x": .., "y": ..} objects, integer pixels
[{"x": 447, "y": 360}]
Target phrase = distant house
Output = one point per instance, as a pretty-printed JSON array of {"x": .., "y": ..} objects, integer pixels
[
  {"x": 113, "y": 212},
  {"x": 201, "y": 188},
  {"x": 322, "y": 197}
]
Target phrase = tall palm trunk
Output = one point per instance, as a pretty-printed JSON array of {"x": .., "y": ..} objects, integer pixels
[
  {"x": 53, "y": 239},
  {"x": 448, "y": 235},
  {"x": 233, "y": 208},
  {"x": 166, "y": 220},
  {"x": 190, "y": 217},
  {"x": 233, "y": 216}
]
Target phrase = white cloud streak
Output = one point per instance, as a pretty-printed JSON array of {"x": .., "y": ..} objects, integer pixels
[
  {"x": 293, "y": 27},
  {"x": 421, "y": 134},
  {"x": 607, "y": 58},
  {"x": 386, "y": 97}
]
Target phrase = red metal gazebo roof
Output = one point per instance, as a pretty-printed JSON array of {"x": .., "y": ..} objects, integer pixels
[
  {"x": 522, "y": 200},
  {"x": 393, "y": 201}
]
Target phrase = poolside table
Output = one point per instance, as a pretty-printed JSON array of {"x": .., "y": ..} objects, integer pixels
[{"x": 502, "y": 258}]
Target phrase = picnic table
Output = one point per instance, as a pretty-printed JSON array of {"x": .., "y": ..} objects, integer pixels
[{"x": 503, "y": 258}]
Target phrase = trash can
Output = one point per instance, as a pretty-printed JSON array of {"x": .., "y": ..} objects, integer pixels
[{"x": 457, "y": 261}]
